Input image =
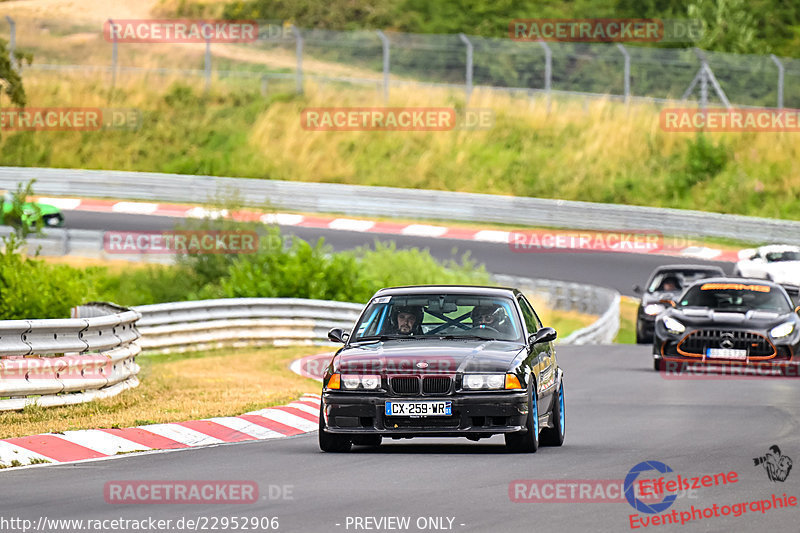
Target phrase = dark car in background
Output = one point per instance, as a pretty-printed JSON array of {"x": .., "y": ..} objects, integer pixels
[
  {"x": 444, "y": 361},
  {"x": 729, "y": 321},
  {"x": 665, "y": 283}
]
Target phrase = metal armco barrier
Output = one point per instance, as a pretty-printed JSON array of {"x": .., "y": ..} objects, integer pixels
[
  {"x": 565, "y": 296},
  {"x": 182, "y": 326},
  {"x": 67, "y": 361},
  {"x": 383, "y": 201}
]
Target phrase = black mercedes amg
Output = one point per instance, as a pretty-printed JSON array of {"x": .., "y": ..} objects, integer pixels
[
  {"x": 729, "y": 322},
  {"x": 444, "y": 361}
]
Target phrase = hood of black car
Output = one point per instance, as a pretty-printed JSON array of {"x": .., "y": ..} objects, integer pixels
[{"x": 429, "y": 356}]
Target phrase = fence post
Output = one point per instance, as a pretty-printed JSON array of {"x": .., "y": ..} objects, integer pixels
[
  {"x": 385, "y": 46},
  {"x": 299, "y": 52},
  {"x": 113, "y": 56},
  {"x": 468, "y": 88},
  {"x": 264, "y": 85},
  {"x": 12, "y": 42},
  {"x": 781, "y": 71},
  {"x": 208, "y": 61},
  {"x": 548, "y": 70},
  {"x": 627, "y": 72}
]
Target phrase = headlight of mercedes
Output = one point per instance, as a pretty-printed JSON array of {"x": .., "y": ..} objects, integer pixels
[
  {"x": 673, "y": 326},
  {"x": 782, "y": 330},
  {"x": 653, "y": 309}
]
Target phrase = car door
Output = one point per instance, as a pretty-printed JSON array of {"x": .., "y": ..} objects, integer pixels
[{"x": 543, "y": 357}]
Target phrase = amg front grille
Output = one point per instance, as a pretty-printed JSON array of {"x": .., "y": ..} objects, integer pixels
[
  {"x": 430, "y": 384},
  {"x": 754, "y": 344}
]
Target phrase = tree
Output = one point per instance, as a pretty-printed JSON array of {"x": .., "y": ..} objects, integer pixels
[{"x": 10, "y": 80}]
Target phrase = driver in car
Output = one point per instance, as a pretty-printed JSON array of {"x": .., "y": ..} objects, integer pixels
[
  {"x": 407, "y": 320},
  {"x": 488, "y": 316}
]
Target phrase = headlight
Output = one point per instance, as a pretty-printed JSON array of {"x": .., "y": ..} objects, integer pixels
[
  {"x": 484, "y": 381},
  {"x": 673, "y": 326},
  {"x": 353, "y": 381},
  {"x": 653, "y": 309},
  {"x": 781, "y": 331}
]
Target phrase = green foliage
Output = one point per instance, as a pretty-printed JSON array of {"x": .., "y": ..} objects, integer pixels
[
  {"x": 12, "y": 81},
  {"x": 728, "y": 26},
  {"x": 704, "y": 159},
  {"x": 20, "y": 209},
  {"x": 31, "y": 288}
]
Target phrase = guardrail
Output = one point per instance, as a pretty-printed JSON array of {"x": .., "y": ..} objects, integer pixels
[
  {"x": 67, "y": 361},
  {"x": 566, "y": 296},
  {"x": 383, "y": 201}
]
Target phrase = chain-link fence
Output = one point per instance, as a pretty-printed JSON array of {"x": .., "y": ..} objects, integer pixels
[{"x": 285, "y": 56}]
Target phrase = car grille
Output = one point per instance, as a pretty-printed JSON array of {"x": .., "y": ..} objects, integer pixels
[
  {"x": 429, "y": 385},
  {"x": 428, "y": 422},
  {"x": 756, "y": 345}
]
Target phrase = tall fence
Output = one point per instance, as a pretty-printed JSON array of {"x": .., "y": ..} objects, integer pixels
[{"x": 285, "y": 57}]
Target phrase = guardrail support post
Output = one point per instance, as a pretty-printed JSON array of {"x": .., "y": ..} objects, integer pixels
[
  {"x": 113, "y": 58},
  {"x": 548, "y": 70},
  {"x": 627, "y": 72},
  {"x": 208, "y": 64},
  {"x": 12, "y": 42},
  {"x": 781, "y": 72},
  {"x": 299, "y": 52},
  {"x": 385, "y": 46},
  {"x": 469, "y": 67}
]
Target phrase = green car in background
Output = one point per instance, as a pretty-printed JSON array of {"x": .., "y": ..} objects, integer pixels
[{"x": 34, "y": 215}]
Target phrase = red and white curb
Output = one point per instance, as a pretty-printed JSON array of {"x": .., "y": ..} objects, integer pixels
[
  {"x": 301, "y": 416},
  {"x": 344, "y": 224}
]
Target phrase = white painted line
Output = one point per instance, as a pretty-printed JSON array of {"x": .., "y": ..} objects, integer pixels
[
  {"x": 421, "y": 230},
  {"x": 181, "y": 434},
  {"x": 61, "y": 203},
  {"x": 11, "y": 452},
  {"x": 492, "y": 236},
  {"x": 248, "y": 428},
  {"x": 287, "y": 419},
  {"x": 282, "y": 219},
  {"x": 136, "y": 208},
  {"x": 202, "y": 212},
  {"x": 349, "y": 224},
  {"x": 307, "y": 408},
  {"x": 701, "y": 252},
  {"x": 102, "y": 442}
]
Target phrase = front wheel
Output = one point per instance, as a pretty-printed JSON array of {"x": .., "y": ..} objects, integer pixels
[
  {"x": 554, "y": 436},
  {"x": 330, "y": 442},
  {"x": 527, "y": 442}
]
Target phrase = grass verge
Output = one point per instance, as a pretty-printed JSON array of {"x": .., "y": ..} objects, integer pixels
[{"x": 627, "y": 320}]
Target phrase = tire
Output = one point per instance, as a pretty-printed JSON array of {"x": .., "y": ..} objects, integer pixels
[
  {"x": 658, "y": 364},
  {"x": 527, "y": 442},
  {"x": 329, "y": 442},
  {"x": 367, "y": 440},
  {"x": 554, "y": 436}
]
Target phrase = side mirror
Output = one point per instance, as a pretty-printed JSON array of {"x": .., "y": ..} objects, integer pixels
[
  {"x": 543, "y": 335},
  {"x": 338, "y": 335},
  {"x": 668, "y": 302},
  {"x": 637, "y": 289}
]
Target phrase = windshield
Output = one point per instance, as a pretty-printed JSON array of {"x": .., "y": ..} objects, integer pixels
[
  {"x": 676, "y": 280},
  {"x": 788, "y": 255},
  {"x": 735, "y": 297},
  {"x": 439, "y": 315}
]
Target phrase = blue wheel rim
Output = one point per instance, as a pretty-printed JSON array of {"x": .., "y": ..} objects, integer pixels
[
  {"x": 562, "y": 418},
  {"x": 535, "y": 413}
]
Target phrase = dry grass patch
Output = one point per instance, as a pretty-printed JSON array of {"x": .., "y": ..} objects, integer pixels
[{"x": 177, "y": 387}]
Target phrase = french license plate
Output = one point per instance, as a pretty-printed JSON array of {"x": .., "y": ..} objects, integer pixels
[
  {"x": 419, "y": 409},
  {"x": 726, "y": 353}
]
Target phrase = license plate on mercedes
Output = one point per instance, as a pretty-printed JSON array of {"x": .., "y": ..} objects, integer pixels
[
  {"x": 419, "y": 409},
  {"x": 726, "y": 353}
]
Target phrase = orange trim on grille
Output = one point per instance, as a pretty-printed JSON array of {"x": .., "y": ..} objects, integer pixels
[{"x": 749, "y": 358}]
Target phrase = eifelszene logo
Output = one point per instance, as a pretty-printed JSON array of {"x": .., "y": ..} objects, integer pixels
[{"x": 777, "y": 466}]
